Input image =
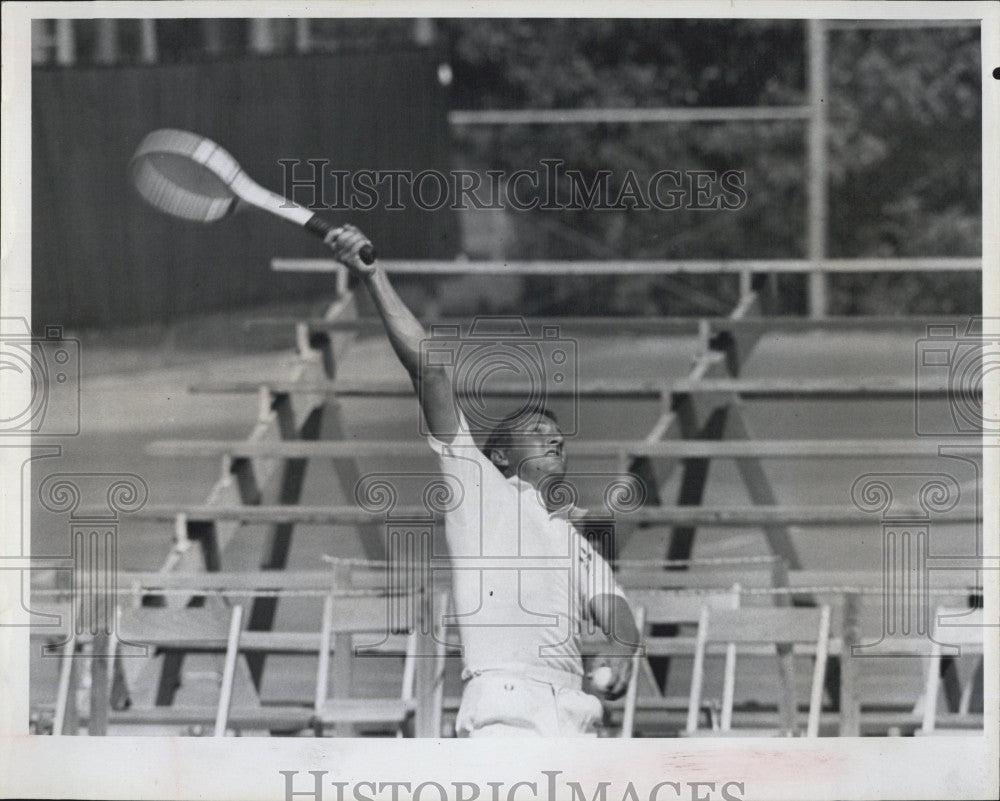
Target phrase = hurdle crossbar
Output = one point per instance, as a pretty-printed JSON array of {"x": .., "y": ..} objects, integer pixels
[
  {"x": 376, "y": 580},
  {"x": 758, "y": 581},
  {"x": 682, "y": 449},
  {"x": 632, "y": 116},
  {"x": 274, "y": 718},
  {"x": 822, "y": 388},
  {"x": 317, "y": 582},
  {"x": 675, "y": 515},
  {"x": 673, "y": 326},
  {"x": 645, "y": 266}
]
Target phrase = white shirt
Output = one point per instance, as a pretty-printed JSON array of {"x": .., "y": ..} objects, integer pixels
[{"x": 522, "y": 577}]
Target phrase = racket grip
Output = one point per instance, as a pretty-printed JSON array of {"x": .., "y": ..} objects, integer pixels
[{"x": 320, "y": 227}]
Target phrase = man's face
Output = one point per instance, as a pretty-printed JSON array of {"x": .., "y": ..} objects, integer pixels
[{"x": 536, "y": 452}]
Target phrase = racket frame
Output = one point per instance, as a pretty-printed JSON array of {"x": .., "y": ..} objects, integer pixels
[{"x": 218, "y": 161}]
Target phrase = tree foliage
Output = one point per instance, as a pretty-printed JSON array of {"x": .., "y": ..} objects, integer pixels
[{"x": 904, "y": 148}]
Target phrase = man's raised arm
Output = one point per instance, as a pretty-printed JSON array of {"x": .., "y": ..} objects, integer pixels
[{"x": 433, "y": 383}]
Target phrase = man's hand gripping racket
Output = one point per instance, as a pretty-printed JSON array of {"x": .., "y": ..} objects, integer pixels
[{"x": 351, "y": 248}]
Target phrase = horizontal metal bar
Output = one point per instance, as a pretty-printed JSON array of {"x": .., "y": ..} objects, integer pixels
[
  {"x": 768, "y": 388},
  {"x": 654, "y": 720},
  {"x": 752, "y": 578},
  {"x": 270, "y": 642},
  {"x": 889, "y": 24},
  {"x": 615, "y": 116},
  {"x": 645, "y": 267},
  {"x": 666, "y": 325},
  {"x": 342, "y": 515},
  {"x": 652, "y": 579},
  {"x": 674, "y": 326},
  {"x": 284, "y": 718},
  {"x": 675, "y": 515},
  {"x": 896, "y": 265},
  {"x": 323, "y": 580},
  {"x": 357, "y": 710},
  {"x": 683, "y": 449}
]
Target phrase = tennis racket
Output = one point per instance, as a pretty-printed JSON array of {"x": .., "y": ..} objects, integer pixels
[{"x": 191, "y": 177}]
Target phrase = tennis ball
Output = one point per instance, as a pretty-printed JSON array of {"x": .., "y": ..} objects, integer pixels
[{"x": 602, "y": 678}]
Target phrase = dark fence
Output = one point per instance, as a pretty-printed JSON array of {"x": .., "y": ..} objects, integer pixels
[{"x": 102, "y": 257}]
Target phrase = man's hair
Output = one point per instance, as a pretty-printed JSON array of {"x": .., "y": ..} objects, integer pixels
[{"x": 503, "y": 433}]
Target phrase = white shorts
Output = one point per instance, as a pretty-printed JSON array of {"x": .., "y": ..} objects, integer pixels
[{"x": 505, "y": 704}]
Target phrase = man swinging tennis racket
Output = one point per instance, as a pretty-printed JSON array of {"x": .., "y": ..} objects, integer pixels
[{"x": 520, "y": 628}]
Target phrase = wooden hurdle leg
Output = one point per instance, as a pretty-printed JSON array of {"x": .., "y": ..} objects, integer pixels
[
  {"x": 323, "y": 665},
  {"x": 819, "y": 669},
  {"x": 785, "y": 657},
  {"x": 697, "y": 674},
  {"x": 100, "y": 685},
  {"x": 786, "y": 703},
  {"x": 65, "y": 719},
  {"x": 950, "y": 683},
  {"x": 229, "y": 672},
  {"x": 120, "y": 697},
  {"x": 407, "y": 727},
  {"x": 850, "y": 700},
  {"x": 170, "y": 677},
  {"x": 972, "y": 694},
  {"x": 342, "y": 670},
  {"x": 632, "y": 693},
  {"x": 728, "y": 688}
]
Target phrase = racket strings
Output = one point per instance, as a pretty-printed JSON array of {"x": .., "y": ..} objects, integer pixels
[{"x": 170, "y": 197}]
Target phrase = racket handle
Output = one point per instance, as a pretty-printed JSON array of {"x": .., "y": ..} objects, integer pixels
[{"x": 320, "y": 227}]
